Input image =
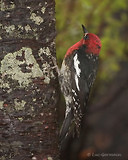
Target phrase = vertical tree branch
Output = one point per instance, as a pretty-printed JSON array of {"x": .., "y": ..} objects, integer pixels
[{"x": 28, "y": 84}]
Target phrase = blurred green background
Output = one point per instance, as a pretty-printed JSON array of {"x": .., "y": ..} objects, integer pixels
[
  {"x": 106, "y": 123},
  {"x": 105, "y": 18}
]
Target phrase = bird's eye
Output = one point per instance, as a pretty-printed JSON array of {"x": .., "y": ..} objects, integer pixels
[
  {"x": 86, "y": 37},
  {"x": 98, "y": 47}
]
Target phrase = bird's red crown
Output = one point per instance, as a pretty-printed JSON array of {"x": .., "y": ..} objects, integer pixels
[{"x": 91, "y": 41}]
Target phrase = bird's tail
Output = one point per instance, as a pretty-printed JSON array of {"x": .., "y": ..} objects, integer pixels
[{"x": 67, "y": 130}]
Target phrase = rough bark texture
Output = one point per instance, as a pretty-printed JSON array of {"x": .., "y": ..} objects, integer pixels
[{"x": 28, "y": 84}]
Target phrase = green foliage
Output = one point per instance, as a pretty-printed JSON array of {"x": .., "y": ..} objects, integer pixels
[{"x": 107, "y": 19}]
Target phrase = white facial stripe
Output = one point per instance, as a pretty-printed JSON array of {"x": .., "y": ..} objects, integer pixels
[{"x": 78, "y": 71}]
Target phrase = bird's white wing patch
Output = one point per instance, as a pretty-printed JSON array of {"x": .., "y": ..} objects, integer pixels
[
  {"x": 78, "y": 71},
  {"x": 68, "y": 100}
]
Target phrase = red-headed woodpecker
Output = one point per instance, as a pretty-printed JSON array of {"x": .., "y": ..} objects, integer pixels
[{"x": 77, "y": 75}]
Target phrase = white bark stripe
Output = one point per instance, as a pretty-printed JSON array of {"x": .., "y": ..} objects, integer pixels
[{"x": 78, "y": 71}]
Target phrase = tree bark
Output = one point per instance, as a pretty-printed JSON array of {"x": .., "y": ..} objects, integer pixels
[{"x": 28, "y": 83}]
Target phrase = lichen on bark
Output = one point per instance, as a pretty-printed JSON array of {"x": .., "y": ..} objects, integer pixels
[{"x": 28, "y": 83}]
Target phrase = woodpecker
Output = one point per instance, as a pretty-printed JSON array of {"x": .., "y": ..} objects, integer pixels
[{"x": 77, "y": 75}]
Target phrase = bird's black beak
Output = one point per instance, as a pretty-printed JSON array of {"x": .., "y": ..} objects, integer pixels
[{"x": 84, "y": 29}]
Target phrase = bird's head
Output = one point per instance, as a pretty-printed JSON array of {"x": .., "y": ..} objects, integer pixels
[{"x": 92, "y": 42}]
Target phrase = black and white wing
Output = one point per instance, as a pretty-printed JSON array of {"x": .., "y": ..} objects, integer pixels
[{"x": 81, "y": 75}]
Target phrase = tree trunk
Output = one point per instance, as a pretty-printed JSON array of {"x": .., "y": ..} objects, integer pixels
[{"x": 28, "y": 84}]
